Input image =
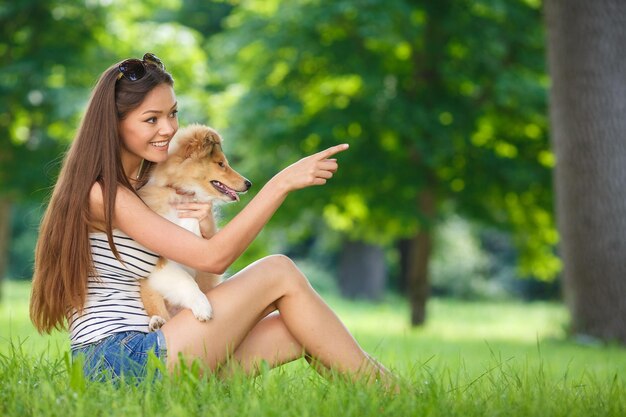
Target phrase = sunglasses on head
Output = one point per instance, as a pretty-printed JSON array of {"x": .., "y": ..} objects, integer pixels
[{"x": 134, "y": 69}]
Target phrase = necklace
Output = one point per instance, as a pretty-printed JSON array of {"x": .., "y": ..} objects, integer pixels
[{"x": 139, "y": 171}]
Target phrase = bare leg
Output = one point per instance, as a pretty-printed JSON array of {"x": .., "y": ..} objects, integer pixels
[
  {"x": 269, "y": 341},
  {"x": 244, "y": 300}
]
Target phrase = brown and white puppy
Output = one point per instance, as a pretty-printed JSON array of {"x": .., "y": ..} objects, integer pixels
[{"x": 196, "y": 171}]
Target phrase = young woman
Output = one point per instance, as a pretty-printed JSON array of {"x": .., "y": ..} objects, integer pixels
[{"x": 98, "y": 238}]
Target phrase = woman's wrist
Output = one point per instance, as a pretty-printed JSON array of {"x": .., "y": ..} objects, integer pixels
[
  {"x": 207, "y": 228},
  {"x": 277, "y": 187}
]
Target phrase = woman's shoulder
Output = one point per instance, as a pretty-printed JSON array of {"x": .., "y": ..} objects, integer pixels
[
  {"x": 96, "y": 195},
  {"x": 123, "y": 197}
]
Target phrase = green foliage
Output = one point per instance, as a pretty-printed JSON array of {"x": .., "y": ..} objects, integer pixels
[
  {"x": 43, "y": 50},
  {"x": 444, "y": 97},
  {"x": 24, "y": 228},
  {"x": 466, "y": 276},
  {"x": 447, "y": 97}
]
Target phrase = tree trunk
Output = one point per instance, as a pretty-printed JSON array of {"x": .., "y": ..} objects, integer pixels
[
  {"x": 418, "y": 260},
  {"x": 403, "y": 246},
  {"x": 5, "y": 235},
  {"x": 362, "y": 272},
  {"x": 587, "y": 107}
]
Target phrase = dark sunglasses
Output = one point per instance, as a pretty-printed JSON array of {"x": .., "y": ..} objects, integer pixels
[{"x": 134, "y": 69}]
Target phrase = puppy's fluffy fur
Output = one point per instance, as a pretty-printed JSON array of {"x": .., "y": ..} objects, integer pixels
[{"x": 196, "y": 170}]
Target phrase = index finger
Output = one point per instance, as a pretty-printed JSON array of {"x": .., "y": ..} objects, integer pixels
[{"x": 332, "y": 151}]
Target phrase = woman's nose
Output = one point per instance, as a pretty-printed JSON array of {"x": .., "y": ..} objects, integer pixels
[{"x": 168, "y": 128}]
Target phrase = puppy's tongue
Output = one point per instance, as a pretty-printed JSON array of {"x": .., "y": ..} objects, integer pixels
[
  {"x": 232, "y": 194},
  {"x": 226, "y": 190}
]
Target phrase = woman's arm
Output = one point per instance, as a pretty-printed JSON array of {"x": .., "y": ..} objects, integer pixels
[{"x": 216, "y": 254}]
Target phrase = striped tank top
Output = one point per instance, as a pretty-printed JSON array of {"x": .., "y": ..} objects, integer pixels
[{"x": 113, "y": 303}]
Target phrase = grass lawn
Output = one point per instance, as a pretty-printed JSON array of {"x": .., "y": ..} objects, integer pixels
[{"x": 471, "y": 359}]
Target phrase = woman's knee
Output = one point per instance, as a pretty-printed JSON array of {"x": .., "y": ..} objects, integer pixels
[{"x": 285, "y": 271}]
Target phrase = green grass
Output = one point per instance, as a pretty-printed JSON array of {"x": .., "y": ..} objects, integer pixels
[{"x": 471, "y": 359}]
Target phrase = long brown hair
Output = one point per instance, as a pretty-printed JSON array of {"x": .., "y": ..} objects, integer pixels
[{"x": 63, "y": 259}]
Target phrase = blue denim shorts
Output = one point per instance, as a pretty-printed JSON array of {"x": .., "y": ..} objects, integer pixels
[{"x": 121, "y": 355}]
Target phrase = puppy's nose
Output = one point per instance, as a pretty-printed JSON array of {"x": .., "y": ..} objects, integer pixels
[{"x": 248, "y": 184}]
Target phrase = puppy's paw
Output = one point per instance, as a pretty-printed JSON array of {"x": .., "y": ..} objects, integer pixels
[
  {"x": 155, "y": 323},
  {"x": 202, "y": 309}
]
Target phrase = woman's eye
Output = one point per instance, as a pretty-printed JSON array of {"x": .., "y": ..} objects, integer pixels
[
  {"x": 151, "y": 120},
  {"x": 174, "y": 113}
]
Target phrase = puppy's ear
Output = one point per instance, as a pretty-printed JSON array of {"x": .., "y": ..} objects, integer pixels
[
  {"x": 202, "y": 143},
  {"x": 212, "y": 137}
]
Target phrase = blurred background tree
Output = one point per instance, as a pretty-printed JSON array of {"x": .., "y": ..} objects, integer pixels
[
  {"x": 45, "y": 52},
  {"x": 443, "y": 104},
  {"x": 588, "y": 103}
]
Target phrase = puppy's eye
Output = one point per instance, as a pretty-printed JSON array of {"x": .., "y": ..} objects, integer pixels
[{"x": 221, "y": 164}]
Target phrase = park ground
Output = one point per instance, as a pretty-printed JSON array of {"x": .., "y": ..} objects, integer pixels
[{"x": 506, "y": 358}]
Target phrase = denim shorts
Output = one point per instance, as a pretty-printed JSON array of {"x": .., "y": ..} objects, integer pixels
[{"x": 121, "y": 355}]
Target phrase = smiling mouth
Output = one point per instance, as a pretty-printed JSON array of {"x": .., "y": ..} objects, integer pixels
[
  {"x": 161, "y": 144},
  {"x": 226, "y": 190}
]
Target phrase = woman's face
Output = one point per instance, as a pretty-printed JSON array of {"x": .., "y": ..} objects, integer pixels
[{"x": 147, "y": 131}]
